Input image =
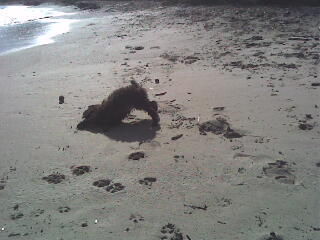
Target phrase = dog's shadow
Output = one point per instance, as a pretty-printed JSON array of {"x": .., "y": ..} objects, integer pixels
[{"x": 138, "y": 131}]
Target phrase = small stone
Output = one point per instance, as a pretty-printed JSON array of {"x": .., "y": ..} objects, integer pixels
[
  {"x": 84, "y": 225},
  {"x": 61, "y": 99},
  {"x": 157, "y": 81}
]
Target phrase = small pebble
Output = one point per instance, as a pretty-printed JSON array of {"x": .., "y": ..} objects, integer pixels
[{"x": 61, "y": 99}]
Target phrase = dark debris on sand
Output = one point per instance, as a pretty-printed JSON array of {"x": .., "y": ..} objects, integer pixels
[
  {"x": 136, "y": 155},
  {"x": 176, "y": 137},
  {"x": 219, "y": 126},
  {"x": 305, "y": 126},
  {"x": 280, "y": 171}
]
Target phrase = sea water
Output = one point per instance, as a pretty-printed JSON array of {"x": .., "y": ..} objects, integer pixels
[{"x": 23, "y": 27}]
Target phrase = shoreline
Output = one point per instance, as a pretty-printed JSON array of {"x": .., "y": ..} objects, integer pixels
[
  {"x": 96, "y": 4},
  {"x": 25, "y": 32},
  {"x": 211, "y": 63}
]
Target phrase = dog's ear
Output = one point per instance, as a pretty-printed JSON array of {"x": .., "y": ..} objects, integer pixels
[{"x": 154, "y": 105}]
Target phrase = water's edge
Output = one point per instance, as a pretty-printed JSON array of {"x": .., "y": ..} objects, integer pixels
[{"x": 23, "y": 27}]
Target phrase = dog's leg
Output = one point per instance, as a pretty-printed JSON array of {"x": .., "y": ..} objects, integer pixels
[{"x": 154, "y": 115}]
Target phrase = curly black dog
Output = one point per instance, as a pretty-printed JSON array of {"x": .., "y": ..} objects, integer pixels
[{"x": 117, "y": 106}]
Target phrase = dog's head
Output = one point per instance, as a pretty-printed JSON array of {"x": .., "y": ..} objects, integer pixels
[{"x": 83, "y": 125}]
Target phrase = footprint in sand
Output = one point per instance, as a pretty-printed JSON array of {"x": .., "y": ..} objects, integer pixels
[
  {"x": 136, "y": 218},
  {"x": 3, "y": 183},
  {"x": 37, "y": 213},
  {"x": 190, "y": 208},
  {"x": 16, "y": 216},
  {"x": 108, "y": 185},
  {"x": 271, "y": 236},
  {"x": 115, "y": 187},
  {"x": 280, "y": 171},
  {"x": 170, "y": 231},
  {"x": 148, "y": 181},
  {"x": 54, "y": 178},
  {"x": 102, "y": 183},
  {"x": 64, "y": 209},
  {"x": 80, "y": 170},
  {"x": 223, "y": 202}
]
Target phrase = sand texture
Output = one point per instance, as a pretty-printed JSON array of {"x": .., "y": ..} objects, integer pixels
[{"x": 237, "y": 156}]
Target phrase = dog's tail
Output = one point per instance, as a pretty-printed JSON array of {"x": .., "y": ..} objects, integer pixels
[{"x": 134, "y": 83}]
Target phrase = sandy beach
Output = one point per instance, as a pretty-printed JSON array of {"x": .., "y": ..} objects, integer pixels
[{"x": 236, "y": 157}]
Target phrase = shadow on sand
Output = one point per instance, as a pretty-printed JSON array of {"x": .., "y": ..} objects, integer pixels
[{"x": 139, "y": 131}]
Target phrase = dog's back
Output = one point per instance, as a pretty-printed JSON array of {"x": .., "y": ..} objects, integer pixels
[
  {"x": 132, "y": 96},
  {"x": 118, "y": 105}
]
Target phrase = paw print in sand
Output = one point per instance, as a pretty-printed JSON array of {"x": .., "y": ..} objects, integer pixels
[
  {"x": 147, "y": 181},
  {"x": 136, "y": 218},
  {"x": 108, "y": 185},
  {"x": 170, "y": 232},
  {"x": 64, "y": 209},
  {"x": 115, "y": 187}
]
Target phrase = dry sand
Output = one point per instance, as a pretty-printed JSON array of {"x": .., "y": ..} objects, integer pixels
[{"x": 257, "y": 63}]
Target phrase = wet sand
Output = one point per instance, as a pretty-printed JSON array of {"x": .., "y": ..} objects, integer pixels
[{"x": 237, "y": 153}]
